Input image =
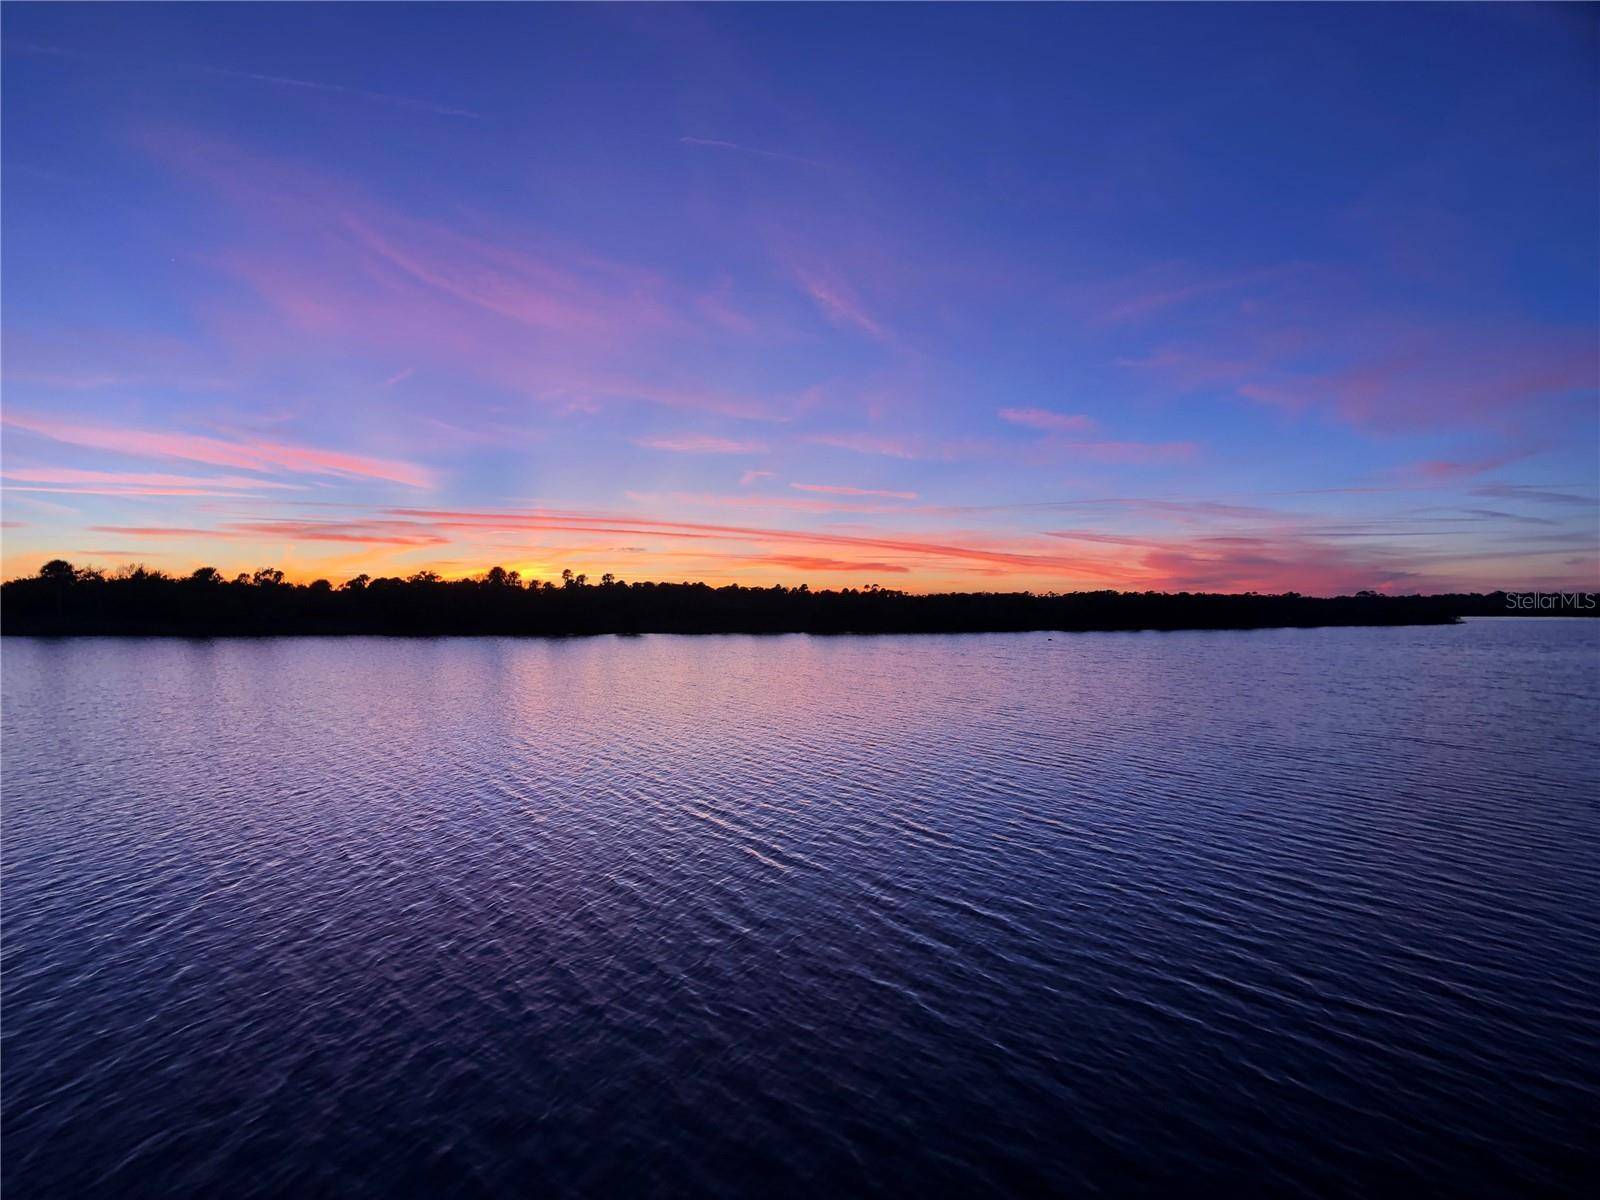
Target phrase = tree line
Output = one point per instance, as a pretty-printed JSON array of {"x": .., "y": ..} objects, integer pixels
[{"x": 63, "y": 599}]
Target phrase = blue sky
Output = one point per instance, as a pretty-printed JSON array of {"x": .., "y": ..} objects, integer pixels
[{"x": 968, "y": 296}]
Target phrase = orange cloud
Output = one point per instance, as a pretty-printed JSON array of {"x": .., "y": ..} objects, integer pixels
[
  {"x": 1200, "y": 546},
  {"x": 1046, "y": 563},
  {"x": 805, "y": 562}
]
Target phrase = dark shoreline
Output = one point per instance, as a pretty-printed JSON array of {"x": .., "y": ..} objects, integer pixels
[
  {"x": 189, "y": 635},
  {"x": 64, "y": 602}
]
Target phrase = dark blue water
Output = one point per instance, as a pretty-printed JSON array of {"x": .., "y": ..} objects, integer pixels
[{"x": 1282, "y": 912}]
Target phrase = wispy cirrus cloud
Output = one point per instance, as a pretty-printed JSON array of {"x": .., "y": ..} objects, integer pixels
[
  {"x": 1439, "y": 384},
  {"x": 373, "y": 533},
  {"x": 1172, "y": 287},
  {"x": 1444, "y": 470},
  {"x": 761, "y": 500},
  {"x": 888, "y": 445},
  {"x": 133, "y": 483},
  {"x": 269, "y": 457},
  {"x": 840, "y": 490},
  {"x": 282, "y": 81},
  {"x": 496, "y": 302},
  {"x": 1384, "y": 374},
  {"x": 838, "y": 302},
  {"x": 1130, "y": 453},
  {"x": 1044, "y": 418},
  {"x": 1542, "y": 495},
  {"x": 699, "y": 443},
  {"x": 285, "y": 81}
]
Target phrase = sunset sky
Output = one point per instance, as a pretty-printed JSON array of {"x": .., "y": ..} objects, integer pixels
[{"x": 972, "y": 297}]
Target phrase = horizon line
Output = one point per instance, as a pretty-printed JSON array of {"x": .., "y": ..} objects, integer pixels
[{"x": 582, "y": 579}]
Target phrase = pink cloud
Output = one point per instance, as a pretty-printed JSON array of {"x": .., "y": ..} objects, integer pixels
[
  {"x": 839, "y": 490},
  {"x": 262, "y": 456},
  {"x": 375, "y": 533},
  {"x": 867, "y": 443},
  {"x": 1266, "y": 568},
  {"x": 86, "y": 489},
  {"x": 508, "y": 283},
  {"x": 140, "y": 480},
  {"x": 379, "y": 533},
  {"x": 1387, "y": 374},
  {"x": 699, "y": 443},
  {"x": 1144, "y": 299},
  {"x": 156, "y": 531},
  {"x": 1445, "y": 469},
  {"x": 748, "y": 500},
  {"x": 509, "y": 306},
  {"x": 839, "y": 303},
  {"x": 1043, "y": 418}
]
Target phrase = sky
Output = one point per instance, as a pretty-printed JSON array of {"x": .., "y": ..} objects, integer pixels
[{"x": 972, "y": 297}]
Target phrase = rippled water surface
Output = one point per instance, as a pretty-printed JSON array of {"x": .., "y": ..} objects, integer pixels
[{"x": 1268, "y": 912}]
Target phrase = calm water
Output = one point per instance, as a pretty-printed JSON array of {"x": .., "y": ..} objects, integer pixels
[{"x": 1265, "y": 912}]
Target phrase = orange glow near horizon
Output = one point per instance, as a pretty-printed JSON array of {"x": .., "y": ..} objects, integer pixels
[{"x": 1167, "y": 547}]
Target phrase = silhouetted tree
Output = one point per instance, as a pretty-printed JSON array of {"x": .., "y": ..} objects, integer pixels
[{"x": 62, "y": 599}]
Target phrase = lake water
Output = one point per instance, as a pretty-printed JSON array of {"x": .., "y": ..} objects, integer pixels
[{"x": 1241, "y": 913}]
